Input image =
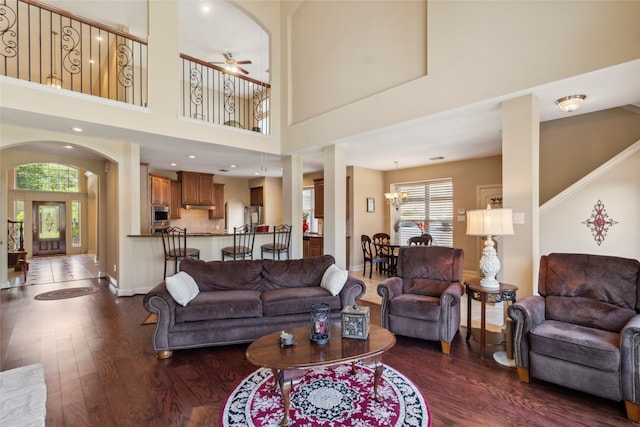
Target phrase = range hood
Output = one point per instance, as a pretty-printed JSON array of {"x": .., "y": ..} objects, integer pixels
[{"x": 201, "y": 207}]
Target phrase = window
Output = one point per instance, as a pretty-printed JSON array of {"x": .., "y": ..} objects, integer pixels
[
  {"x": 47, "y": 177},
  {"x": 308, "y": 205},
  {"x": 75, "y": 223},
  {"x": 430, "y": 202}
]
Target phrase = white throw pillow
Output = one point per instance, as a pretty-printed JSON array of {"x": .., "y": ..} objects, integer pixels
[
  {"x": 334, "y": 279},
  {"x": 182, "y": 288}
]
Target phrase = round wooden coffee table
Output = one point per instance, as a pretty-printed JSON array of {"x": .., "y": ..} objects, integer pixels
[{"x": 266, "y": 352}]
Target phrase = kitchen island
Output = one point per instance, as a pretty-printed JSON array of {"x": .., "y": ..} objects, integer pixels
[{"x": 148, "y": 254}]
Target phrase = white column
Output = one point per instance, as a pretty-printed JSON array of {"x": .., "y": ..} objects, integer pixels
[
  {"x": 335, "y": 206},
  {"x": 292, "y": 201},
  {"x": 520, "y": 189}
]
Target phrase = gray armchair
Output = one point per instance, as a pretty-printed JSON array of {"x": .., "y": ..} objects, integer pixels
[
  {"x": 583, "y": 329},
  {"x": 423, "y": 300}
]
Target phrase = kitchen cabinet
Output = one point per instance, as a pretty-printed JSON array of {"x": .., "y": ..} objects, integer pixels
[
  {"x": 318, "y": 197},
  {"x": 257, "y": 196},
  {"x": 218, "y": 201},
  {"x": 176, "y": 200},
  {"x": 160, "y": 190},
  {"x": 314, "y": 246},
  {"x": 197, "y": 188}
]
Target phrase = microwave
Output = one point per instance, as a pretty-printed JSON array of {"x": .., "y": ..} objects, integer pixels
[{"x": 159, "y": 215}]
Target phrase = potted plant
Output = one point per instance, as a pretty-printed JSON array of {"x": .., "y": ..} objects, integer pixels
[{"x": 305, "y": 221}]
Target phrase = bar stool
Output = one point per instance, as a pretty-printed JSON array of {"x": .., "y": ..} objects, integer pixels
[
  {"x": 281, "y": 240},
  {"x": 174, "y": 242},
  {"x": 243, "y": 239}
]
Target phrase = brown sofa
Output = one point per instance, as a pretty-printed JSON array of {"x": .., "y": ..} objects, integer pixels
[
  {"x": 583, "y": 329},
  {"x": 241, "y": 301}
]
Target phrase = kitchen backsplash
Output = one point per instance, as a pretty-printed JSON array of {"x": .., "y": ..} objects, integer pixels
[{"x": 197, "y": 221}]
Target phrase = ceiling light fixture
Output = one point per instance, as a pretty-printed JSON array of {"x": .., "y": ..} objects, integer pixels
[
  {"x": 396, "y": 197},
  {"x": 570, "y": 103},
  {"x": 76, "y": 129},
  {"x": 191, "y": 156},
  {"x": 53, "y": 79}
]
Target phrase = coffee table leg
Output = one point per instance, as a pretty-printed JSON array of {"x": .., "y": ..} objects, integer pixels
[
  {"x": 273, "y": 386},
  {"x": 353, "y": 368},
  {"x": 285, "y": 389},
  {"x": 376, "y": 380}
]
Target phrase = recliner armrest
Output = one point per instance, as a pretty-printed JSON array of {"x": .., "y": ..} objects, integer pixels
[
  {"x": 451, "y": 296},
  {"x": 388, "y": 289},
  {"x": 629, "y": 356},
  {"x": 526, "y": 314}
]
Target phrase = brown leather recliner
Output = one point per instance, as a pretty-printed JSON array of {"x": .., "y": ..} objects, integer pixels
[
  {"x": 423, "y": 300},
  {"x": 583, "y": 329}
]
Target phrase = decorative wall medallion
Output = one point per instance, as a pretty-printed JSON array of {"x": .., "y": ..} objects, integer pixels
[{"x": 599, "y": 222}]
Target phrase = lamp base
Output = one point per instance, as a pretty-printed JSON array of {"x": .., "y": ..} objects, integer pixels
[
  {"x": 501, "y": 358},
  {"x": 490, "y": 283}
]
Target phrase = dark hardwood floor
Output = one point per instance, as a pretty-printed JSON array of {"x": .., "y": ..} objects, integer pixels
[{"x": 101, "y": 370}]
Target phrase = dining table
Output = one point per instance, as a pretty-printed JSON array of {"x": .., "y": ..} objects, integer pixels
[{"x": 389, "y": 250}]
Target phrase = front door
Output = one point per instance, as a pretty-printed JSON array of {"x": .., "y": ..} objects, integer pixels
[{"x": 49, "y": 228}]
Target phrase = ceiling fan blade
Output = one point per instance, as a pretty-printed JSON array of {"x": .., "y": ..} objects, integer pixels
[
  {"x": 243, "y": 70},
  {"x": 243, "y": 62}
]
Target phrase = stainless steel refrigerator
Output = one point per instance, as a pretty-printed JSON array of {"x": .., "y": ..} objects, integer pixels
[{"x": 253, "y": 215}]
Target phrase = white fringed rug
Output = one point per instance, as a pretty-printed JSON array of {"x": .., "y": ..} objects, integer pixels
[
  {"x": 23, "y": 397},
  {"x": 328, "y": 396}
]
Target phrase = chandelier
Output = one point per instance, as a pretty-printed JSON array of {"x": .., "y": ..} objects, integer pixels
[{"x": 396, "y": 197}]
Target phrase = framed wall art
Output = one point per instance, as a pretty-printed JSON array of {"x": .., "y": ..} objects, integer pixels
[{"x": 371, "y": 204}]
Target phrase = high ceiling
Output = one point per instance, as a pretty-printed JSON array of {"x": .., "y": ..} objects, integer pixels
[{"x": 468, "y": 132}]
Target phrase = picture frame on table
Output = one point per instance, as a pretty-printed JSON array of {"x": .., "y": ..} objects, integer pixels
[{"x": 371, "y": 204}]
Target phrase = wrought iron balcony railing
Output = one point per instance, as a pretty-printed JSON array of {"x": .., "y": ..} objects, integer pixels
[
  {"x": 46, "y": 45},
  {"x": 51, "y": 46},
  {"x": 212, "y": 94}
]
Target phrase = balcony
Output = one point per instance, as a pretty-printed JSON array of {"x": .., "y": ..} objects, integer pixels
[{"x": 49, "y": 46}]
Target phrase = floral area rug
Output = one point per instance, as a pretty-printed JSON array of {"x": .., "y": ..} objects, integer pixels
[{"x": 328, "y": 396}]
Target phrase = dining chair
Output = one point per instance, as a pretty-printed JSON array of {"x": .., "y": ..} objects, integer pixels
[
  {"x": 381, "y": 242},
  {"x": 243, "y": 240},
  {"x": 280, "y": 244},
  {"x": 174, "y": 242},
  {"x": 370, "y": 256},
  {"x": 424, "y": 240}
]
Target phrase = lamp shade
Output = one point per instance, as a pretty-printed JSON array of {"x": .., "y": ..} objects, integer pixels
[{"x": 489, "y": 222}]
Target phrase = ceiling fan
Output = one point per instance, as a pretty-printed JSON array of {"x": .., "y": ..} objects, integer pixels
[{"x": 231, "y": 64}]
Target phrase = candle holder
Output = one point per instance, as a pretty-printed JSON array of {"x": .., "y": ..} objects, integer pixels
[
  {"x": 287, "y": 339},
  {"x": 320, "y": 323}
]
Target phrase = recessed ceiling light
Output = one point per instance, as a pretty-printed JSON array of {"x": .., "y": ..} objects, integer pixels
[
  {"x": 256, "y": 173},
  {"x": 206, "y": 8},
  {"x": 76, "y": 129},
  {"x": 68, "y": 147},
  {"x": 173, "y": 164},
  {"x": 99, "y": 38},
  {"x": 191, "y": 156},
  {"x": 232, "y": 166}
]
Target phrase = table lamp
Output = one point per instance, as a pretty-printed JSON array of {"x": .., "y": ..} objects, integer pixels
[{"x": 489, "y": 222}]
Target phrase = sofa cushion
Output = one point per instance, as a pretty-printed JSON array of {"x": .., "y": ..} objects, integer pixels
[
  {"x": 578, "y": 344},
  {"x": 277, "y": 302},
  {"x": 295, "y": 273},
  {"x": 221, "y": 305},
  {"x": 333, "y": 279},
  {"x": 420, "y": 307},
  {"x": 587, "y": 312},
  {"x": 224, "y": 275},
  {"x": 182, "y": 288}
]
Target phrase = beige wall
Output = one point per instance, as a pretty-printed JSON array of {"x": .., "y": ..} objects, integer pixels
[
  {"x": 571, "y": 148},
  {"x": 385, "y": 41}
]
